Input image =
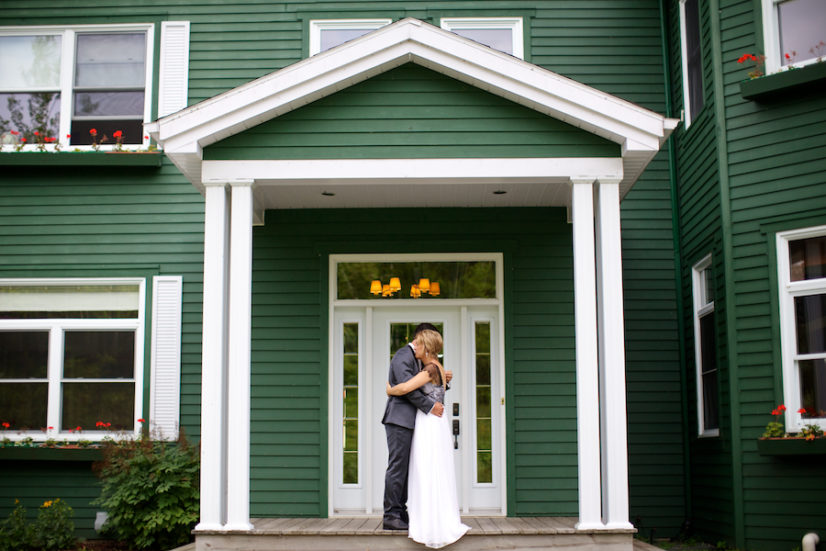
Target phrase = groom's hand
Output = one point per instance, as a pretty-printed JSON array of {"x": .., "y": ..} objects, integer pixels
[{"x": 438, "y": 409}]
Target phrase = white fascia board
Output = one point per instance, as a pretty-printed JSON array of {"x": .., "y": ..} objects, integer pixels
[
  {"x": 347, "y": 171},
  {"x": 394, "y": 45}
]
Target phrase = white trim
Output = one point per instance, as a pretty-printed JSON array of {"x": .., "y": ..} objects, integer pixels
[
  {"x": 787, "y": 291},
  {"x": 513, "y": 24},
  {"x": 54, "y": 372},
  {"x": 700, "y": 309},
  {"x": 317, "y": 26},
  {"x": 407, "y": 171},
  {"x": 688, "y": 116},
  {"x": 184, "y": 134},
  {"x": 344, "y": 310},
  {"x": 68, "y": 34}
]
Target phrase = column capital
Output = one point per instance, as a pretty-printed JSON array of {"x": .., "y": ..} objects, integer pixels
[
  {"x": 609, "y": 180},
  {"x": 583, "y": 180}
]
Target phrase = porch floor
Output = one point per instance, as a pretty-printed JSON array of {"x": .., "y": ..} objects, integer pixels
[{"x": 366, "y": 533}]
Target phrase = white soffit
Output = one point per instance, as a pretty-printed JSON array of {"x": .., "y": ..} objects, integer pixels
[{"x": 184, "y": 134}]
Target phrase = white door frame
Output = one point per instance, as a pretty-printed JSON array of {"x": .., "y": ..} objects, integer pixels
[{"x": 368, "y": 307}]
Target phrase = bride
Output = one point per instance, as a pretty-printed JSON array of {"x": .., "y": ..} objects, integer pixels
[{"x": 431, "y": 492}]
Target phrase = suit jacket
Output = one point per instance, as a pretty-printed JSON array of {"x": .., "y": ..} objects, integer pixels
[{"x": 401, "y": 410}]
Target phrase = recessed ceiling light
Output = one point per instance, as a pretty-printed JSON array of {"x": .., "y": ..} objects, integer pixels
[{"x": 500, "y": 192}]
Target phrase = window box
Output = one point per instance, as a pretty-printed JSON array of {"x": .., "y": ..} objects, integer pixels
[
  {"x": 791, "y": 446},
  {"x": 41, "y": 453},
  {"x": 811, "y": 77},
  {"x": 82, "y": 158}
]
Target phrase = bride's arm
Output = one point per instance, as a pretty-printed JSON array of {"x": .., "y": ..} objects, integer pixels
[{"x": 410, "y": 385}]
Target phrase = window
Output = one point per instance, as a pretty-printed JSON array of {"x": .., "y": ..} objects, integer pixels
[
  {"x": 71, "y": 355},
  {"x": 794, "y": 33},
  {"x": 500, "y": 33},
  {"x": 705, "y": 348},
  {"x": 329, "y": 33},
  {"x": 75, "y": 86},
  {"x": 801, "y": 264},
  {"x": 692, "y": 59}
]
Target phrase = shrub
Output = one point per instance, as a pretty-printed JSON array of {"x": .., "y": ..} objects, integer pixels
[
  {"x": 51, "y": 531},
  {"x": 150, "y": 491},
  {"x": 54, "y": 528},
  {"x": 15, "y": 532}
]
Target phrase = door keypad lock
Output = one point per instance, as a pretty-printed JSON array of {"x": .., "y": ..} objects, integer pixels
[{"x": 455, "y": 434}]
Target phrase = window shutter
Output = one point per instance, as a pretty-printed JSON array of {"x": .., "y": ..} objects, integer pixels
[
  {"x": 174, "y": 70},
  {"x": 165, "y": 399}
]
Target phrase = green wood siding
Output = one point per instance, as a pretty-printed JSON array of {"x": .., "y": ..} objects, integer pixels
[
  {"x": 775, "y": 165},
  {"x": 611, "y": 45},
  {"x": 777, "y": 159},
  {"x": 35, "y": 482},
  {"x": 289, "y": 340},
  {"x": 103, "y": 222},
  {"x": 698, "y": 195},
  {"x": 411, "y": 112}
]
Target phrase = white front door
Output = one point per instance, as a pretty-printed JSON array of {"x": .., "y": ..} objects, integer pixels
[{"x": 364, "y": 341}]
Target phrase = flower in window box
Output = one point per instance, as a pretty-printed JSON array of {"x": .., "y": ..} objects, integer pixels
[
  {"x": 775, "y": 429},
  {"x": 759, "y": 63}
]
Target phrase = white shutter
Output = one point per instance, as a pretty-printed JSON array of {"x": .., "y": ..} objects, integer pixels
[
  {"x": 174, "y": 70},
  {"x": 165, "y": 399}
]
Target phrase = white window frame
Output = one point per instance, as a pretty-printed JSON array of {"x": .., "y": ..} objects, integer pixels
[
  {"x": 771, "y": 40},
  {"x": 319, "y": 25},
  {"x": 701, "y": 308},
  {"x": 514, "y": 24},
  {"x": 787, "y": 292},
  {"x": 56, "y": 328},
  {"x": 68, "y": 36},
  {"x": 688, "y": 115}
]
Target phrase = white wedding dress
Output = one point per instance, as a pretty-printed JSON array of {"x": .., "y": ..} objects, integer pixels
[{"x": 431, "y": 488}]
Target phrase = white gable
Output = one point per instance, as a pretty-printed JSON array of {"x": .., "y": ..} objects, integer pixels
[{"x": 184, "y": 134}]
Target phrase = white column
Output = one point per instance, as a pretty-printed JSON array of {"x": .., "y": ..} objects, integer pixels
[
  {"x": 213, "y": 370},
  {"x": 240, "y": 306},
  {"x": 587, "y": 381},
  {"x": 612, "y": 357}
]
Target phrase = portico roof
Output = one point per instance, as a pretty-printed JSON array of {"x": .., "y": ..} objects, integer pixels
[{"x": 185, "y": 134}]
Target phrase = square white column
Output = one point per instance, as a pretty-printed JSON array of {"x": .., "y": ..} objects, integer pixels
[
  {"x": 611, "y": 332},
  {"x": 240, "y": 311},
  {"x": 587, "y": 380},
  {"x": 213, "y": 369}
]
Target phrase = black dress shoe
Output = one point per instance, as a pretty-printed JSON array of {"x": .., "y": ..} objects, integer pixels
[{"x": 394, "y": 524}]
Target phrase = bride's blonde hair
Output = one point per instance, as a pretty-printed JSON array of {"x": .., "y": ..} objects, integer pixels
[{"x": 432, "y": 342}]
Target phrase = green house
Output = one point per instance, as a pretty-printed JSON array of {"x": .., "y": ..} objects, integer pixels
[{"x": 232, "y": 215}]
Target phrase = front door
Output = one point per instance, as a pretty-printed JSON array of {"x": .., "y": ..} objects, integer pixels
[{"x": 364, "y": 342}]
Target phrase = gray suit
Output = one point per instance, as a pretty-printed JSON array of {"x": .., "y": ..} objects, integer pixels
[{"x": 399, "y": 420}]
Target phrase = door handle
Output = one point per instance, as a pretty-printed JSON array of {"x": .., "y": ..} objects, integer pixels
[{"x": 455, "y": 434}]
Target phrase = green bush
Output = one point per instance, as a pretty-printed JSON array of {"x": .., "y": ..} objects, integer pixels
[
  {"x": 51, "y": 531},
  {"x": 150, "y": 491}
]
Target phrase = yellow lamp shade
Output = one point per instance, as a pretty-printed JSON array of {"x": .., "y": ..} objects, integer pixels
[
  {"x": 386, "y": 291},
  {"x": 375, "y": 287},
  {"x": 434, "y": 288},
  {"x": 424, "y": 285},
  {"x": 415, "y": 292},
  {"x": 395, "y": 284}
]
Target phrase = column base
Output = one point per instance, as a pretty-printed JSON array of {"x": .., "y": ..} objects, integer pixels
[
  {"x": 238, "y": 527},
  {"x": 619, "y": 525},
  {"x": 589, "y": 526},
  {"x": 208, "y": 527}
]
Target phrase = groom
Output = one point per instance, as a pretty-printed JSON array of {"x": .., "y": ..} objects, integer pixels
[{"x": 399, "y": 420}]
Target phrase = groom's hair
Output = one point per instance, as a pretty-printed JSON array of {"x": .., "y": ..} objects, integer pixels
[{"x": 423, "y": 327}]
